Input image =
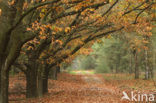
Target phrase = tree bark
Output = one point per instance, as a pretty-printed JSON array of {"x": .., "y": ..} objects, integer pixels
[
  {"x": 54, "y": 73},
  {"x": 4, "y": 84},
  {"x": 0, "y": 79},
  {"x": 152, "y": 72},
  {"x": 31, "y": 83},
  {"x": 58, "y": 69},
  {"x": 146, "y": 66},
  {"x": 40, "y": 80},
  {"x": 130, "y": 65},
  {"x": 45, "y": 80},
  {"x": 136, "y": 67},
  {"x": 40, "y": 86}
]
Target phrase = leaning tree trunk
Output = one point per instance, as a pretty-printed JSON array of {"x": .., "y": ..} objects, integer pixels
[{"x": 12, "y": 37}]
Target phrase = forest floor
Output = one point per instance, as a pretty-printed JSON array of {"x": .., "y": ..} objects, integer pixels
[{"x": 81, "y": 88}]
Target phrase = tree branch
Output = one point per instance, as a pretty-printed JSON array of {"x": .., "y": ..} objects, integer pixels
[
  {"x": 31, "y": 9},
  {"x": 110, "y": 8}
]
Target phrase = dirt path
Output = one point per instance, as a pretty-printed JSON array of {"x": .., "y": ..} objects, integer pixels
[
  {"x": 91, "y": 79},
  {"x": 86, "y": 88},
  {"x": 96, "y": 83}
]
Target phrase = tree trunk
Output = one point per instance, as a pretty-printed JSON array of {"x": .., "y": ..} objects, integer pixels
[
  {"x": 31, "y": 83},
  {"x": 4, "y": 85},
  {"x": 118, "y": 64},
  {"x": 146, "y": 66},
  {"x": 151, "y": 71},
  {"x": 0, "y": 79},
  {"x": 40, "y": 80},
  {"x": 130, "y": 65},
  {"x": 58, "y": 69},
  {"x": 40, "y": 86},
  {"x": 45, "y": 80},
  {"x": 54, "y": 73},
  {"x": 136, "y": 67}
]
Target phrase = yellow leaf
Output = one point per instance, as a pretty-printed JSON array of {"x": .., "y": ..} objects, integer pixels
[
  {"x": 108, "y": 36},
  {"x": 29, "y": 29},
  {"x": 60, "y": 29},
  {"x": 42, "y": 15},
  {"x": 67, "y": 29},
  {"x": 43, "y": 10},
  {"x": 110, "y": 1}
]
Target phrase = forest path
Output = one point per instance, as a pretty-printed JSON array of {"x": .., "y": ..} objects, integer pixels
[
  {"x": 91, "y": 78},
  {"x": 97, "y": 82},
  {"x": 78, "y": 88}
]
